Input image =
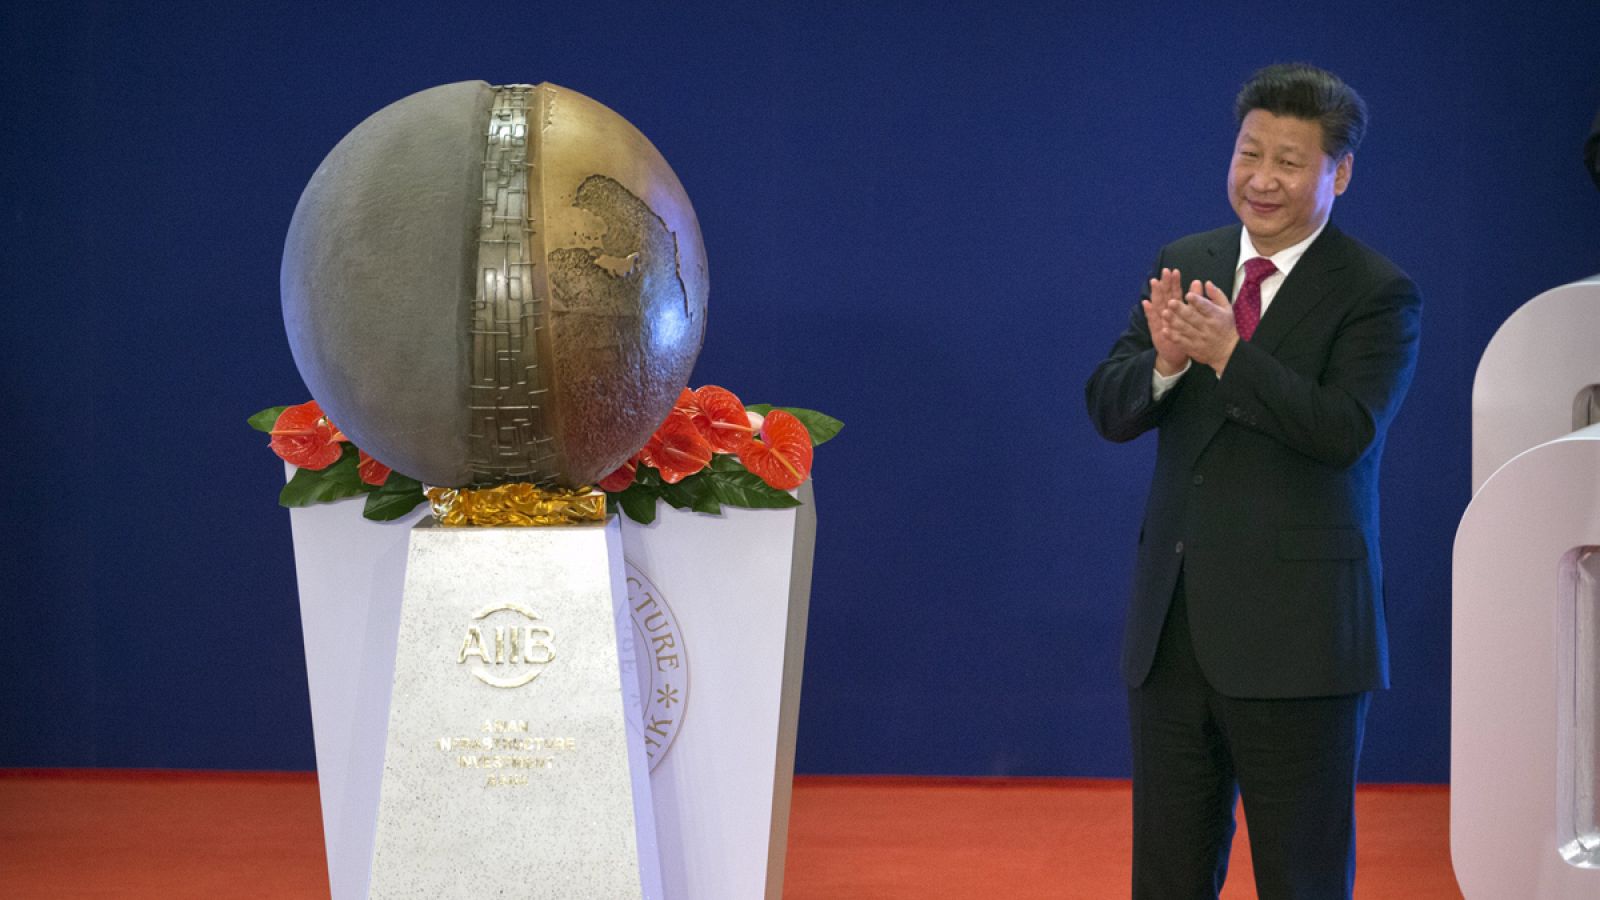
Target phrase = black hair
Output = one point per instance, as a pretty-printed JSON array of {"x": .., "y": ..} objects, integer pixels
[{"x": 1307, "y": 92}]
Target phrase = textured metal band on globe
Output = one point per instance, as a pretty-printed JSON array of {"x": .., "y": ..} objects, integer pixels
[{"x": 512, "y": 435}]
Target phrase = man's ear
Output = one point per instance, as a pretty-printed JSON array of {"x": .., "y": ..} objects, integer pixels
[{"x": 1341, "y": 173}]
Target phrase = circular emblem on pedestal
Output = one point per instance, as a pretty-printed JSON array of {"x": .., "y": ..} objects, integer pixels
[
  {"x": 661, "y": 664},
  {"x": 507, "y": 646}
]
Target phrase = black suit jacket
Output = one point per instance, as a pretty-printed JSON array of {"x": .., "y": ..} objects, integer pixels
[{"x": 1265, "y": 491}]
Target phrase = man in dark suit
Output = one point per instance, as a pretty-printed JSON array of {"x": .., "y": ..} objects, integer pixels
[{"x": 1256, "y": 628}]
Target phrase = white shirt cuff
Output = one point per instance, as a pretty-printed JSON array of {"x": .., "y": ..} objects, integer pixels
[{"x": 1160, "y": 384}]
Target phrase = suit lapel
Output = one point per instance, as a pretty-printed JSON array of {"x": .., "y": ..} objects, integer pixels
[
  {"x": 1308, "y": 283},
  {"x": 1222, "y": 258}
]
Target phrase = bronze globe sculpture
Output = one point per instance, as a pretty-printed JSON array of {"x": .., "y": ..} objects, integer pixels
[{"x": 484, "y": 285}]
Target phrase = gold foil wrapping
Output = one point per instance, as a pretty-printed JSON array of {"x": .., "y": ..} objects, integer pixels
[{"x": 517, "y": 504}]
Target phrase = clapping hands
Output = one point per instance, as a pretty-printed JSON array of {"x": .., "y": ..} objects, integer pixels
[{"x": 1196, "y": 325}]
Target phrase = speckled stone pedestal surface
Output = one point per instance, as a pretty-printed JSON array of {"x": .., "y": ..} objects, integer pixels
[{"x": 514, "y": 764}]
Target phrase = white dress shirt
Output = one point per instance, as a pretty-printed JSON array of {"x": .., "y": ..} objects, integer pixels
[{"x": 1284, "y": 259}]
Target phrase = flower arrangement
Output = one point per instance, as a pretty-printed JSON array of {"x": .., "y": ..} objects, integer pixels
[
  {"x": 329, "y": 467},
  {"x": 712, "y": 451}
]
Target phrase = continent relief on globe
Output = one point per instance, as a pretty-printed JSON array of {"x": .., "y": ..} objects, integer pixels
[{"x": 603, "y": 296}]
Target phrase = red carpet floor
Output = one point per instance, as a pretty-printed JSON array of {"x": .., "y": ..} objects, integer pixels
[{"x": 173, "y": 835}]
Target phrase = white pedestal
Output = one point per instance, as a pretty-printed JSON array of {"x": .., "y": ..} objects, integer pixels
[
  {"x": 513, "y": 760},
  {"x": 1525, "y": 666},
  {"x": 350, "y": 573},
  {"x": 738, "y": 587},
  {"x": 737, "y": 590},
  {"x": 1538, "y": 377},
  {"x": 1524, "y": 711}
]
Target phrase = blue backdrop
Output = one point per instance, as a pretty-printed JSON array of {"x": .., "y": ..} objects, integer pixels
[{"x": 930, "y": 224}]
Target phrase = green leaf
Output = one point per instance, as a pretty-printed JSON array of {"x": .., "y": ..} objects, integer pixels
[
  {"x": 727, "y": 462},
  {"x": 639, "y": 499},
  {"x": 640, "y": 505},
  {"x": 691, "y": 493},
  {"x": 821, "y": 425},
  {"x": 707, "y": 503},
  {"x": 312, "y": 486},
  {"x": 397, "y": 496},
  {"x": 746, "y": 489},
  {"x": 264, "y": 420}
]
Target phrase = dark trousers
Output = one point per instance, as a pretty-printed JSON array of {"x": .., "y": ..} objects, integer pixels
[{"x": 1294, "y": 761}]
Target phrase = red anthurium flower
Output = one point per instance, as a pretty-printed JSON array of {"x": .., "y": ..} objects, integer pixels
[
  {"x": 686, "y": 403},
  {"x": 677, "y": 450},
  {"x": 722, "y": 420},
  {"x": 621, "y": 478},
  {"x": 645, "y": 457},
  {"x": 304, "y": 437},
  {"x": 371, "y": 471},
  {"x": 783, "y": 455}
]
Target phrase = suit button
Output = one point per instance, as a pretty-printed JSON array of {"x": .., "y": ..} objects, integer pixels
[
  {"x": 1199, "y": 480},
  {"x": 1178, "y": 548}
]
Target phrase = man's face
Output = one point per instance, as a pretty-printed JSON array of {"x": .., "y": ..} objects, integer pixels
[{"x": 1280, "y": 183}]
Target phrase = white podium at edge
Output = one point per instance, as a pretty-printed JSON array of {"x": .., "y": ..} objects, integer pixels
[
  {"x": 719, "y": 607},
  {"x": 1525, "y": 683}
]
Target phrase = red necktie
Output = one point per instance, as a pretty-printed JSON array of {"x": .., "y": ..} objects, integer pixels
[{"x": 1247, "y": 308}]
